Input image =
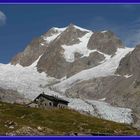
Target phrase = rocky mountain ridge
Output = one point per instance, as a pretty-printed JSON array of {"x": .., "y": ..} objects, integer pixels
[{"x": 69, "y": 51}]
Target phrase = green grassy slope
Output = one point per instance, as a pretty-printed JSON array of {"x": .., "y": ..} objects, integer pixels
[{"x": 57, "y": 121}]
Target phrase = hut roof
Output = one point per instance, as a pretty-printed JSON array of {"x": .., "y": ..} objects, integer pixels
[{"x": 52, "y": 98}]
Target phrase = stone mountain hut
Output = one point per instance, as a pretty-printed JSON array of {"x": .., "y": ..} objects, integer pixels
[{"x": 46, "y": 101}]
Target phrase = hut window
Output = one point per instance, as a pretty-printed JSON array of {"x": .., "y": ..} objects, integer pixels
[
  {"x": 41, "y": 99},
  {"x": 50, "y": 103},
  {"x": 59, "y": 106}
]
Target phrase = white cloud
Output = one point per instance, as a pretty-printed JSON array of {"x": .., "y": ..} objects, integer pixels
[{"x": 2, "y": 18}]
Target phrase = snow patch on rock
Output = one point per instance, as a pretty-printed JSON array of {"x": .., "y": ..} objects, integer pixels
[
  {"x": 127, "y": 75},
  {"x": 81, "y": 48},
  {"x": 53, "y": 36},
  {"x": 82, "y": 29},
  {"x": 104, "y": 31}
]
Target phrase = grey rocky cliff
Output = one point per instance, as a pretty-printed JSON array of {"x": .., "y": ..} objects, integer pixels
[
  {"x": 53, "y": 63},
  {"x": 130, "y": 65}
]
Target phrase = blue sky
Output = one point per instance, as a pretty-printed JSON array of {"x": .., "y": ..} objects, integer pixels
[{"x": 19, "y": 24}]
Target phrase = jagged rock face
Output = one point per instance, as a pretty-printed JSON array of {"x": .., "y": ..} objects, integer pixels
[
  {"x": 105, "y": 42},
  {"x": 53, "y": 63},
  {"x": 70, "y": 36},
  {"x": 31, "y": 53},
  {"x": 130, "y": 65}
]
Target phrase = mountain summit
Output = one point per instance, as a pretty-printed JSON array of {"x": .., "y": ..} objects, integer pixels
[{"x": 66, "y": 51}]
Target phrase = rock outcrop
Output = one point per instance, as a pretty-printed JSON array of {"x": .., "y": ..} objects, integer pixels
[
  {"x": 130, "y": 65},
  {"x": 106, "y": 42}
]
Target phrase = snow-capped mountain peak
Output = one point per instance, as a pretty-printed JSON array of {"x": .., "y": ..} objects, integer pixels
[
  {"x": 77, "y": 27},
  {"x": 76, "y": 64}
]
